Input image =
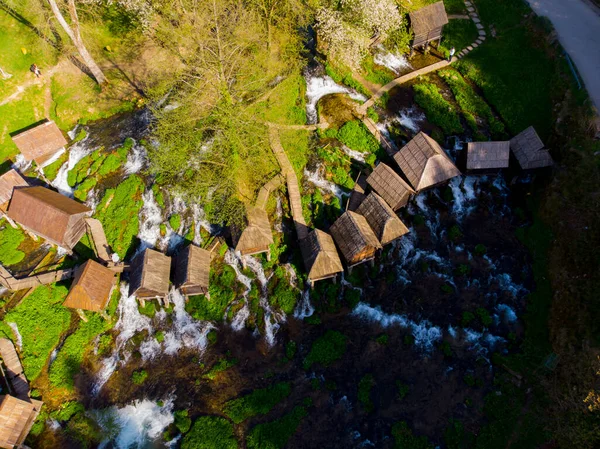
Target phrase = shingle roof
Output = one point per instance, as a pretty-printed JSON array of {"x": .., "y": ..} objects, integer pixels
[
  {"x": 150, "y": 273},
  {"x": 354, "y": 237},
  {"x": 257, "y": 236},
  {"x": 487, "y": 155},
  {"x": 428, "y": 18},
  {"x": 390, "y": 186},
  {"x": 16, "y": 419},
  {"x": 321, "y": 259},
  {"x": 192, "y": 269},
  {"x": 8, "y": 181},
  {"x": 424, "y": 162},
  {"x": 382, "y": 219},
  {"x": 529, "y": 150},
  {"x": 91, "y": 287},
  {"x": 40, "y": 142}
]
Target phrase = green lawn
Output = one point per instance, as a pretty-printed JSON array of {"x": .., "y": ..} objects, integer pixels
[{"x": 459, "y": 33}]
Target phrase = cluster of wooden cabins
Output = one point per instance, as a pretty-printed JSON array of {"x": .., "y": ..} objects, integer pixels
[{"x": 370, "y": 220}]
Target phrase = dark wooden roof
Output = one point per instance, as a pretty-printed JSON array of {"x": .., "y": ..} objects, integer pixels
[
  {"x": 390, "y": 186},
  {"x": 424, "y": 163},
  {"x": 382, "y": 219},
  {"x": 354, "y": 237},
  {"x": 428, "y": 18},
  {"x": 257, "y": 236},
  {"x": 8, "y": 181},
  {"x": 49, "y": 214},
  {"x": 487, "y": 155},
  {"x": 529, "y": 150},
  {"x": 358, "y": 193},
  {"x": 192, "y": 270},
  {"x": 149, "y": 276},
  {"x": 16, "y": 418},
  {"x": 40, "y": 142},
  {"x": 321, "y": 259},
  {"x": 91, "y": 287}
]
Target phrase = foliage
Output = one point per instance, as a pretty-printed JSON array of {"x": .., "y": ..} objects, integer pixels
[
  {"x": 69, "y": 358},
  {"x": 41, "y": 321},
  {"x": 458, "y": 34},
  {"x": 275, "y": 434},
  {"x": 175, "y": 221},
  {"x": 283, "y": 295},
  {"x": 210, "y": 432},
  {"x": 148, "y": 309},
  {"x": 297, "y": 148},
  {"x": 66, "y": 410},
  {"x": 222, "y": 279},
  {"x": 472, "y": 105},
  {"x": 405, "y": 438},
  {"x": 438, "y": 110},
  {"x": 454, "y": 233},
  {"x": 84, "y": 430},
  {"x": 484, "y": 317},
  {"x": 182, "y": 421},
  {"x": 357, "y": 137},
  {"x": 120, "y": 217},
  {"x": 259, "y": 402},
  {"x": 344, "y": 76},
  {"x": 366, "y": 384},
  {"x": 374, "y": 73},
  {"x": 290, "y": 349},
  {"x": 403, "y": 389},
  {"x": 221, "y": 365},
  {"x": 326, "y": 349},
  {"x": 480, "y": 249},
  {"x": 398, "y": 41},
  {"x": 139, "y": 377},
  {"x": 10, "y": 240},
  {"x": 467, "y": 318},
  {"x": 383, "y": 339}
]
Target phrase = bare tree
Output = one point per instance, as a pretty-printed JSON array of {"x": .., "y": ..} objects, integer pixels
[{"x": 75, "y": 36}]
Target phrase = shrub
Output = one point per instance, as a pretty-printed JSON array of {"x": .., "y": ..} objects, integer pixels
[
  {"x": 275, "y": 434},
  {"x": 405, "y": 438},
  {"x": 10, "y": 240},
  {"x": 352, "y": 297},
  {"x": 463, "y": 270},
  {"x": 383, "y": 339},
  {"x": 402, "y": 388},
  {"x": 66, "y": 410},
  {"x": 439, "y": 111},
  {"x": 182, "y": 421},
  {"x": 139, "y": 377},
  {"x": 175, "y": 221},
  {"x": 455, "y": 234},
  {"x": 160, "y": 336},
  {"x": 222, "y": 364},
  {"x": 365, "y": 386},
  {"x": 447, "y": 288},
  {"x": 480, "y": 249},
  {"x": 210, "y": 432},
  {"x": 484, "y": 317},
  {"x": 259, "y": 402},
  {"x": 467, "y": 318},
  {"x": 222, "y": 292},
  {"x": 357, "y": 137},
  {"x": 326, "y": 349}
]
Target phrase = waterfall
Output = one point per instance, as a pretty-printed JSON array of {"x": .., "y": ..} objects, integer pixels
[
  {"x": 424, "y": 332},
  {"x": 318, "y": 87},
  {"x": 506, "y": 284},
  {"x": 150, "y": 220},
  {"x": 18, "y": 337},
  {"x": 77, "y": 152},
  {"x": 304, "y": 308},
  {"x": 507, "y": 312},
  {"x": 200, "y": 221},
  {"x": 135, "y": 425},
  {"x": 385, "y": 58},
  {"x": 137, "y": 158},
  {"x": 356, "y": 155},
  {"x": 21, "y": 165},
  {"x": 410, "y": 118},
  {"x": 239, "y": 320},
  {"x": 319, "y": 181}
]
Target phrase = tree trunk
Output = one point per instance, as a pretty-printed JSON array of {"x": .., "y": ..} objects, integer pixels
[{"x": 75, "y": 37}]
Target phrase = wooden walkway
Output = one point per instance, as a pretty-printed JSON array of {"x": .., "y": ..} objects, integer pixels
[
  {"x": 265, "y": 191},
  {"x": 98, "y": 239},
  {"x": 321, "y": 125},
  {"x": 10, "y": 282},
  {"x": 14, "y": 369},
  {"x": 292, "y": 183}
]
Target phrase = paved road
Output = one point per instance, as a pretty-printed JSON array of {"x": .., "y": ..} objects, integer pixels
[{"x": 578, "y": 26}]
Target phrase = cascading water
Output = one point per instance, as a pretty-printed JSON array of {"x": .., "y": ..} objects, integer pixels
[
  {"x": 21, "y": 164},
  {"x": 318, "y": 180},
  {"x": 137, "y": 158},
  {"x": 18, "y": 337},
  {"x": 239, "y": 320},
  {"x": 304, "y": 308},
  {"x": 77, "y": 152},
  {"x": 319, "y": 86},
  {"x": 200, "y": 221},
  {"x": 410, "y": 118},
  {"x": 356, "y": 155},
  {"x": 385, "y": 58},
  {"x": 150, "y": 220}
]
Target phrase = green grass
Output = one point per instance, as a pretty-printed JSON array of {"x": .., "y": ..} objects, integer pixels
[
  {"x": 471, "y": 104},
  {"x": 41, "y": 320},
  {"x": 365, "y": 386},
  {"x": 296, "y": 146},
  {"x": 326, "y": 349},
  {"x": 259, "y": 402},
  {"x": 139, "y": 377},
  {"x": 458, "y": 33},
  {"x": 120, "y": 219},
  {"x": 344, "y": 76},
  {"x": 69, "y": 358},
  {"x": 10, "y": 240},
  {"x": 438, "y": 110},
  {"x": 175, "y": 221},
  {"x": 404, "y": 438},
  {"x": 357, "y": 137},
  {"x": 286, "y": 104},
  {"x": 51, "y": 170},
  {"x": 282, "y": 295},
  {"x": 222, "y": 280},
  {"x": 275, "y": 434},
  {"x": 210, "y": 432},
  {"x": 220, "y": 366},
  {"x": 374, "y": 73}
]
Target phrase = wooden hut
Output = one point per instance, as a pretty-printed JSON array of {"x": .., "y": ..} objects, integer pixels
[
  {"x": 149, "y": 276},
  {"x": 487, "y": 155},
  {"x": 40, "y": 143},
  {"x": 390, "y": 186},
  {"x": 529, "y": 150},
  {"x": 257, "y": 237},
  {"x": 321, "y": 259},
  {"x": 358, "y": 193},
  {"x": 427, "y": 24},
  {"x": 424, "y": 163},
  {"x": 8, "y": 182},
  {"x": 16, "y": 418},
  {"x": 355, "y": 238},
  {"x": 191, "y": 269},
  {"x": 49, "y": 214},
  {"x": 382, "y": 219},
  {"x": 91, "y": 287}
]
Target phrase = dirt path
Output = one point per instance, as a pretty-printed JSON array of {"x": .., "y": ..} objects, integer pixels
[
  {"x": 33, "y": 81},
  {"x": 577, "y": 23}
]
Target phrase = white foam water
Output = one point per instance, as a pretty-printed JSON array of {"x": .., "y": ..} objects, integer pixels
[
  {"x": 137, "y": 159},
  {"x": 385, "y": 134},
  {"x": 318, "y": 87},
  {"x": 200, "y": 221},
  {"x": 77, "y": 152},
  {"x": 18, "y": 337},
  {"x": 411, "y": 119},
  {"x": 239, "y": 320},
  {"x": 356, "y": 155},
  {"x": 233, "y": 260},
  {"x": 319, "y": 181},
  {"x": 424, "y": 332},
  {"x": 506, "y": 284},
  {"x": 21, "y": 164},
  {"x": 150, "y": 220},
  {"x": 136, "y": 425},
  {"x": 129, "y": 323},
  {"x": 396, "y": 63},
  {"x": 304, "y": 308}
]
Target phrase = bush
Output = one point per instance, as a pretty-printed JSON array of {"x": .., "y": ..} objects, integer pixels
[
  {"x": 67, "y": 410},
  {"x": 259, "y": 402},
  {"x": 467, "y": 318},
  {"x": 139, "y": 377},
  {"x": 484, "y": 317},
  {"x": 10, "y": 240},
  {"x": 403, "y": 390},
  {"x": 210, "y": 432},
  {"x": 222, "y": 292},
  {"x": 404, "y": 438},
  {"x": 438, "y": 110},
  {"x": 175, "y": 221},
  {"x": 365, "y": 386},
  {"x": 382, "y": 339},
  {"x": 275, "y": 434},
  {"x": 326, "y": 349},
  {"x": 455, "y": 234},
  {"x": 290, "y": 350},
  {"x": 480, "y": 249},
  {"x": 357, "y": 137},
  {"x": 182, "y": 421},
  {"x": 222, "y": 364}
]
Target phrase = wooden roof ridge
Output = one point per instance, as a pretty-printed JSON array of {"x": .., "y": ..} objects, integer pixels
[
  {"x": 352, "y": 233},
  {"x": 54, "y": 200},
  {"x": 91, "y": 287},
  {"x": 40, "y": 141},
  {"x": 321, "y": 258},
  {"x": 358, "y": 192},
  {"x": 386, "y": 225},
  {"x": 529, "y": 150},
  {"x": 488, "y": 155},
  {"x": 390, "y": 186},
  {"x": 16, "y": 418},
  {"x": 150, "y": 273},
  {"x": 428, "y": 18},
  {"x": 8, "y": 182},
  {"x": 258, "y": 233},
  {"x": 191, "y": 267}
]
